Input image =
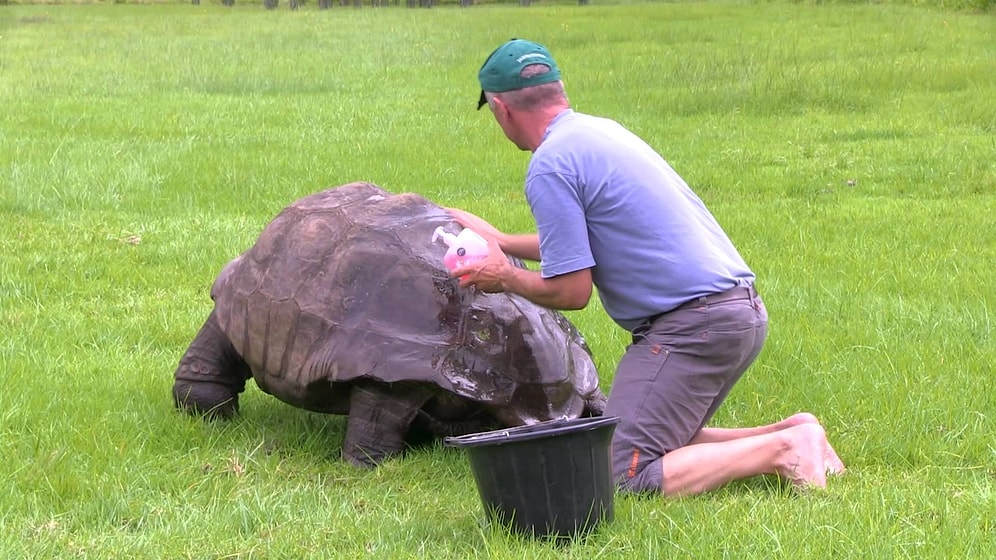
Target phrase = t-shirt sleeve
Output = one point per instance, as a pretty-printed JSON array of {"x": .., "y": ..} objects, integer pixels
[{"x": 556, "y": 203}]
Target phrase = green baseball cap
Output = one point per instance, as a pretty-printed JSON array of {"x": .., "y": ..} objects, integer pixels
[{"x": 502, "y": 68}]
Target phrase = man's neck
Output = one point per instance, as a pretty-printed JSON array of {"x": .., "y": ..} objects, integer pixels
[{"x": 540, "y": 122}]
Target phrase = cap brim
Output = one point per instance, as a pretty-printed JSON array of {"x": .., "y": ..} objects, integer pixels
[{"x": 482, "y": 101}]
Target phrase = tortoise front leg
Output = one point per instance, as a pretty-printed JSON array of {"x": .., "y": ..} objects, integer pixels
[
  {"x": 210, "y": 375},
  {"x": 379, "y": 417}
]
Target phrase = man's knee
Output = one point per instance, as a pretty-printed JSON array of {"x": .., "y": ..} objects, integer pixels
[{"x": 635, "y": 477}]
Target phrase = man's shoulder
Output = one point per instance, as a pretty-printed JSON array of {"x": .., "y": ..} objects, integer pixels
[
  {"x": 590, "y": 130},
  {"x": 574, "y": 119}
]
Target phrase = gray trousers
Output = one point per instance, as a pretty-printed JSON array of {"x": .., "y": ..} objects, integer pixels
[{"x": 674, "y": 376}]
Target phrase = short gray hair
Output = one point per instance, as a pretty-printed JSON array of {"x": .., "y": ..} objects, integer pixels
[{"x": 534, "y": 97}]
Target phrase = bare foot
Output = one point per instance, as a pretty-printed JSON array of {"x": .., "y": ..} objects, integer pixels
[
  {"x": 798, "y": 419},
  {"x": 803, "y": 461},
  {"x": 833, "y": 463},
  {"x": 831, "y": 460}
]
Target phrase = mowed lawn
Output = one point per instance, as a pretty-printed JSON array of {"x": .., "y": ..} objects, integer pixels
[{"x": 848, "y": 150}]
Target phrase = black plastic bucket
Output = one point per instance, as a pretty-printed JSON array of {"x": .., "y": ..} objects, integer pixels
[{"x": 548, "y": 479}]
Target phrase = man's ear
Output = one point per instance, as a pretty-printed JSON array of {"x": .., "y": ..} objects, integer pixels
[{"x": 500, "y": 108}]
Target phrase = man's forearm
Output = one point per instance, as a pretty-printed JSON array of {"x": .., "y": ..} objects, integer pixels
[
  {"x": 569, "y": 291},
  {"x": 523, "y": 246}
]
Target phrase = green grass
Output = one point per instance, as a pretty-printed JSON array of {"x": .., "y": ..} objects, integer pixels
[{"x": 848, "y": 150}]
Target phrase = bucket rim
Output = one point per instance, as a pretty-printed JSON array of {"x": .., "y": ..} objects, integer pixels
[{"x": 549, "y": 428}]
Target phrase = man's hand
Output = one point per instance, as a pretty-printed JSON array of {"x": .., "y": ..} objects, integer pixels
[
  {"x": 523, "y": 246},
  {"x": 476, "y": 223},
  {"x": 488, "y": 274},
  {"x": 495, "y": 274}
]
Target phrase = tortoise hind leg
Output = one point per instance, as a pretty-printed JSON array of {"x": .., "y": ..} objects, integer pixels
[
  {"x": 379, "y": 417},
  {"x": 210, "y": 375}
]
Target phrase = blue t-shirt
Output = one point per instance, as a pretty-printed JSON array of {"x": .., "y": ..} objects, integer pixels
[{"x": 604, "y": 199}]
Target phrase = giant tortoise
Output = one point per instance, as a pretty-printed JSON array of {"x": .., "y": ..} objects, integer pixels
[{"x": 343, "y": 306}]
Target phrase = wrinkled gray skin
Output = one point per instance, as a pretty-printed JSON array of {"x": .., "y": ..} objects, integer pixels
[{"x": 343, "y": 306}]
